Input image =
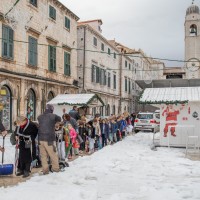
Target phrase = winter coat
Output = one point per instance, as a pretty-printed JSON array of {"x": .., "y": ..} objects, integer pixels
[
  {"x": 113, "y": 127},
  {"x": 25, "y": 156},
  {"x": 73, "y": 135},
  {"x": 106, "y": 129},
  {"x": 82, "y": 133},
  {"x": 2, "y": 128},
  {"x": 96, "y": 130},
  {"x": 74, "y": 114},
  {"x": 47, "y": 123}
]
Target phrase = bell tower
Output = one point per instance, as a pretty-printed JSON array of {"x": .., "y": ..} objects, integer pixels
[{"x": 192, "y": 42}]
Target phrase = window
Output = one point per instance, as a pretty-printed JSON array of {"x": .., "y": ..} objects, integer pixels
[
  {"x": 129, "y": 86},
  {"x": 67, "y": 23},
  {"x": 114, "y": 55},
  {"x": 7, "y": 42},
  {"x": 105, "y": 77},
  {"x": 108, "y": 51},
  {"x": 193, "y": 30},
  {"x": 32, "y": 51},
  {"x": 52, "y": 58},
  {"x": 114, "y": 81},
  {"x": 102, "y": 77},
  {"x": 31, "y": 105},
  {"x": 67, "y": 70},
  {"x": 93, "y": 73},
  {"x": 94, "y": 41},
  {"x": 33, "y": 2},
  {"x": 109, "y": 79},
  {"x": 126, "y": 63},
  {"x": 98, "y": 70},
  {"x": 52, "y": 12},
  {"x": 129, "y": 66},
  {"x": 102, "y": 47},
  {"x": 126, "y": 85}
]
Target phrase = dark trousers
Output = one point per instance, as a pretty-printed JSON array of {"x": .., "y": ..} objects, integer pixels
[
  {"x": 25, "y": 159},
  {"x": 104, "y": 140}
]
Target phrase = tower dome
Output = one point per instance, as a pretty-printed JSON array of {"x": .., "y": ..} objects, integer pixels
[{"x": 193, "y": 9}]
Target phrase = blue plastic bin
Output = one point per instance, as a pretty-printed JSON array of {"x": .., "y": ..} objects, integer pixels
[{"x": 6, "y": 169}]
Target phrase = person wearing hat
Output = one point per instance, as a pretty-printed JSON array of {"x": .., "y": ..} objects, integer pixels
[
  {"x": 47, "y": 139},
  {"x": 3, "y": 132},
  {"x": 26, "y": 132}
]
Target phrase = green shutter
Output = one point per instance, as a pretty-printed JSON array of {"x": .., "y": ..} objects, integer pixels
[
  {"x": 52, "y": 12},
  {"x": 93, "y": 74},
  {"x": 67, "y": 23},
  {"x": 32, "y": 54},
  {"x": 67, "y": 70},
  {"x": 52, "y": 58},
  {"x": 97, "y": 74},
  {"x": 7, "y": 42}
]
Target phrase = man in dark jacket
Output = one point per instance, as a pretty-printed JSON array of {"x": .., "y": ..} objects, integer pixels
[
  {"x": 47, "y": 139},
  {"x": 3, "y": 132},
  {"x": 74, "y": 113},
  {"x": 26, "y": 132}
]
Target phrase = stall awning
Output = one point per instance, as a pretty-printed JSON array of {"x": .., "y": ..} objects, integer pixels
[
  {"x": 76, "y": 99},
  {"x": 173, "y": 95}
]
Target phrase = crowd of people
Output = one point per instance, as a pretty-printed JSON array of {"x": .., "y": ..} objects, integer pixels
[{"x": 55, "y": 139}]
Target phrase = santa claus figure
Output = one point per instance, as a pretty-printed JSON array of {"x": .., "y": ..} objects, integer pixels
[{"x": 171, "y": 119}]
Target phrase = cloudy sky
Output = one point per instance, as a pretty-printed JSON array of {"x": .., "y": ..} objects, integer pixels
[{"x": 155, "y": 26}]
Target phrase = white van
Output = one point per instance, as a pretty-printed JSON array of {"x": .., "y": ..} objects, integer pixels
[{"x": 147, "y": 121}]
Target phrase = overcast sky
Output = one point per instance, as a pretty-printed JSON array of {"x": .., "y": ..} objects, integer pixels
[{"x": 155, "y": 26}]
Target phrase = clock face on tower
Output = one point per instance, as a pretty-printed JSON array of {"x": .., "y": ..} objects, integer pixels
[{"x": 193, "y": 64}]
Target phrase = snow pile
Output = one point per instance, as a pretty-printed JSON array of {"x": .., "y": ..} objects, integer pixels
[{"x": 128, "y": 170}]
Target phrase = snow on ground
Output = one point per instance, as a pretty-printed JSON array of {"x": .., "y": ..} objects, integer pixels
[{"x": 128, "y": 170}]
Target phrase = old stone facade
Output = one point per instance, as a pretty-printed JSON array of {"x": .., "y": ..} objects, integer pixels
[
  {"x": 192, "y": 42},
  {"x": 37, "y": 60},
  {"x": 98, "y": 67}
]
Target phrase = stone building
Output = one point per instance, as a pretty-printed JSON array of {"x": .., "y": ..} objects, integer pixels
[
  {"x": 37, "y": 60},
  {"x": 192, "y": 42},
  {"x": 98, "y": 66}
]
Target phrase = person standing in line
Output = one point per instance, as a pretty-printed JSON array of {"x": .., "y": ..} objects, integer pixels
[
  {"x": 47, "y": 139},
  {"x": 3, "y": 132},
  {"x": 26, "y": 132},
  {"x": 74, "y": 113}
]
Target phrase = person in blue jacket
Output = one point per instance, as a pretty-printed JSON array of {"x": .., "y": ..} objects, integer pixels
[{"x": 104, "y": 131}]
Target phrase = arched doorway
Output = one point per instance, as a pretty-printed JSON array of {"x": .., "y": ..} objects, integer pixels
[
  {"x": 6, "y": 107},
  {"x": 31, "y": 105},
  {"x": 50, "y": 96}
]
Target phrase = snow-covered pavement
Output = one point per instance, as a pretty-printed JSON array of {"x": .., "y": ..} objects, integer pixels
[{"x": 128, "y": 170}]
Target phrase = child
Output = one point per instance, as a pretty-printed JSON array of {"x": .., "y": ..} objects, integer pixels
[
  {"x": 73, "y": 136},
  {"x": 89, "y": 139},
  {"x": 59, "y": 130}
]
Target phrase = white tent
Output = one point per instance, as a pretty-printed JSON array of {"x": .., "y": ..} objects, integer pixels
[
  {"x": 179, "y": 112},
  {"x": 64, "y": 102}
]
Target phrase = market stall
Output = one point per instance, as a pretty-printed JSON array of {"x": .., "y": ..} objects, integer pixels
[
  {"x": 179, "y": 113},
  {"x": 63, "y": 103}
]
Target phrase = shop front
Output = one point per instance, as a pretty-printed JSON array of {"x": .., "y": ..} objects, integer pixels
[{"x": 6, "y": 107}]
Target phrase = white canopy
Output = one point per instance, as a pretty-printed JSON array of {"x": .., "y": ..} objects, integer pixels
[
  {"x": 170, "y": 95},
  {"x": 75, "y": 99}
]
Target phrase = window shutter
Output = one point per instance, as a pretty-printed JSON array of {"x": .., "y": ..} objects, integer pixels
[
  {"x": 93, "y": 73},
  {"x": 7, "y": 42},
  {"x": 32, "y": 57},
  {"x": 97, "y": 74},
  {"x": 105, "y": 77},
  {"x": 4, "y": 41},
  {"x": 67, "y": 70},
  {"x": 52, "y": 58}
]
